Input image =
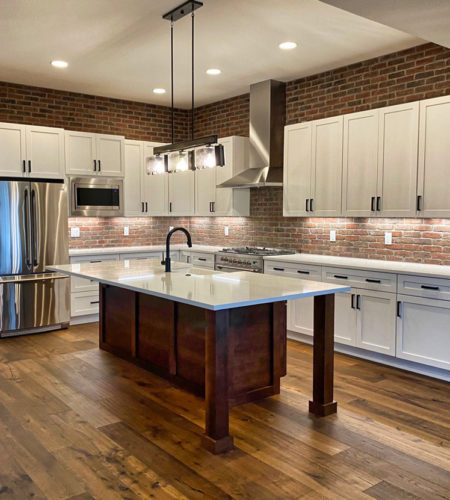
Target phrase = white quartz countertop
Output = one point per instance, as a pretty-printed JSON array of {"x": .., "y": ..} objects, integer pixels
[
  {"x": 148, "y": 248},
  {"x": 197, "y": 286},
  {"x": 388, "y": 266}
]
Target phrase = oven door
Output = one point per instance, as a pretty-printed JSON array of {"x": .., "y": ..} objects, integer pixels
[
  {"x": 96, "y": 197},
  {"x": 227, "y": 269}
]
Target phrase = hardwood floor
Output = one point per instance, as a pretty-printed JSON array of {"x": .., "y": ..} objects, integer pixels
[{"x": 77, "y": 423}]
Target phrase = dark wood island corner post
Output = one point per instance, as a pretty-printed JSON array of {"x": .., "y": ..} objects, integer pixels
[
  {"x": 322, "y": 403},
  {"x": 217, "y": 438}
]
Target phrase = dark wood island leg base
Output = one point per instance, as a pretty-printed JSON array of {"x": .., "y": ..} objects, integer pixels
[{"x": 322, "y": 403}]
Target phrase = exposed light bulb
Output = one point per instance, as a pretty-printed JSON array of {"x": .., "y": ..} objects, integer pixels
[
  {"x": 155, "y": 165},
  {"x": 182, "y": 162}
]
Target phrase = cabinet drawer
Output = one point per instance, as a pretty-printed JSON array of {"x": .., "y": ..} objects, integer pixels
[
  {"x": 368, "y": 280},
  {"x": 84, "y": 303},
  {"x": 83, "y": 285},
  {"x": 422, "y": 286},
  {"x": 198, "y": 259},
  {"x": 93, "y": 258},
  {"x": 141, "y": 255},
  {"x": 302, "y": 271}
]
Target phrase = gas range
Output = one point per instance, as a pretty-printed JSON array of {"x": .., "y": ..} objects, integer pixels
[{"x": 246, "y": 258}]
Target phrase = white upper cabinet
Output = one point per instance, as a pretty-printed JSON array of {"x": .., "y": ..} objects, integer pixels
[
  {"x": 326, "y": 172},
  {"x": 397, "y": 160},
  {"x": 297, "y": 169},
  {"x": 181, "y": 192},
  {"x": 134, "y": 161},
  {"x": 236, "y": 157},
  {"x": 360, "y": 164},
  {"x": 45, "y": 152},
  {"x": 12, "y": 150},
  {"x": 94, "y": 154},
  {"x": 205, "y": 191},
  {"x": 434, "y": 158},
  {"x": 31, "y": 151}
]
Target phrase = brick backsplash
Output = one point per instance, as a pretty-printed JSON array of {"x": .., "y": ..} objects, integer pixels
[{"x": 413, "y": 74}]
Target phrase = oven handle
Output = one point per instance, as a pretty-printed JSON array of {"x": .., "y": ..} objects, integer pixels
[{"x": 220, "y": 268}]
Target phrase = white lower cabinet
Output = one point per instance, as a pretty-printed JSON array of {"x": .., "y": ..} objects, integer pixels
[
  {"x": 300, "y": 315},
  {"x": 423, "y": 330},
  {"x": 345, "y": 318},
  {"x": 375, "y": 321}
]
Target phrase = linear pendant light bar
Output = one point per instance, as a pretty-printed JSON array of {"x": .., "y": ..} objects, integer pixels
[{"x": 193, "y": 143}]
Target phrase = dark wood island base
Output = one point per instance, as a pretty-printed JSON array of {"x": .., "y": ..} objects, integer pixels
[{"x": 230, "y": 357}]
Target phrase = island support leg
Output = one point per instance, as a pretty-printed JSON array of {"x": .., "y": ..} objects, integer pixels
[
  {"x": 216, "y": 438},
  {"x": 323, "y": 358}
]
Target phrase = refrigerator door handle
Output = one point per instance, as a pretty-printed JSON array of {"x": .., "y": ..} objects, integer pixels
[
  {"x": 28, "y": 248},
  {"x": 35, "y": 232}
]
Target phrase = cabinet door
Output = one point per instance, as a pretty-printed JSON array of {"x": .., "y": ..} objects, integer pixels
[
  {"x": 345, "y": 318},
  {"x": 205, "y": 191},
  {"x": 159, "y": 200},
  {"x": 423, "y": 332},
  {"x": 360, "y": 164},
  {"x": 434, "y": 158},
  {"x": 45, "y": 152},
  {"x": 236, "y": 157},
  {"x": 297, "y": 169},
  {"x": 12, "y": 150},
  {"x": 326, "y": 175},
  {"x": 110, "y": 155},
  {"x": 397, "y": 160},
  {"x": 376, "y": 318},
  {"x": 157, "y": 187},
  {"x": 300, "y": 315},
  {"x": 134, "y": 160},
  {"x": 80, "y": 153},
  {"x": 182, "y": 193}
]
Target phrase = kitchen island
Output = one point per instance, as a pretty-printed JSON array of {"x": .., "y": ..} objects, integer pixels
[{"x": 218, "y": 335}]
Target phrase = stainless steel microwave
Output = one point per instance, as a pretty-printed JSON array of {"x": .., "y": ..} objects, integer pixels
[{"x": 96, "y": 197}]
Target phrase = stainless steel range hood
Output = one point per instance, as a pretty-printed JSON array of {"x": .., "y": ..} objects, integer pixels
[{"x": 267, "y": 113}]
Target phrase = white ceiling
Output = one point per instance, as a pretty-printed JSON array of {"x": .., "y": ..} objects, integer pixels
[
  {"x": 428, "y": 19},
  {"x": 120, "y": 48}
]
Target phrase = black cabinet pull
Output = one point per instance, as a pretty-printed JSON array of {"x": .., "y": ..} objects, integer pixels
[
  {"x": 202, "y": 259},
  {"x": 370, "y": 280},
  {"x": 358, "y": 304},
  {"x": 311, "y": 209},
  {"x": 278, "y": 268},
  {"x": 399, "y": 305},
  {"x": 419, "y": 203},
  {"x": 99, "y": 166},
  {"x": 170, "y": 206},
  {"x": 307, "y": 204},
  {"x": 146, "y": 206},
  {"x": 429, "y": 287},
  {"x": 29, "y": 166},
  {"x": 142, "y": 210},
  {"x": 303, "y": 272},
  {"x": 24, "y": 166},
  {"x": 210, "y": 206},
  {"x": 378, "y": 203},
  {"x": 95, "y": 165},
  {"x": 353, "y": 301},
  {"x": 372, "y": 204},
  {"x": 340, "y": 277},
  {"x": 95, "y": 302},
  {"x": 213, "y": 203},
  {"x": 94, "y": 261}
]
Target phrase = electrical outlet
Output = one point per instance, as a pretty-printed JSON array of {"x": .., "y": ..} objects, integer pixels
[
  {"x": 388, "y": 238},
  {"x": 126, "y": 231},
  {"x": 332, "y": 235},
  {"x": 74, "y": 232},
  {"x": 226, "y": 231}
]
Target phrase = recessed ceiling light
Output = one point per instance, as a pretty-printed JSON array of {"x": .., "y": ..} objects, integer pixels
[
  {"x": 159, "y": 91},
  {"x": 213, "y": 71},
  {"x": 287, "y": 45},
  {"x": 60, "y": 64}
]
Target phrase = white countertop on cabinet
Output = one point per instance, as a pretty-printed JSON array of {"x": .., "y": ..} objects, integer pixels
[
  {"x": 147, "y": 248},
  {"x": 197, "y": 286},
  {"x": 388, "y": 266}
]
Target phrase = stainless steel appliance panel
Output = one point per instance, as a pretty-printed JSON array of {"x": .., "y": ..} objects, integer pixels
[
  {"x": 50, "y": 238},
  {"x": 15, "y": 228},
  {"x": 96, "y": 197},
  {"x": 33, "y": 303}
]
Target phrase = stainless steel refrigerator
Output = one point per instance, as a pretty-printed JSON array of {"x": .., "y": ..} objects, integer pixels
[{"x": 33, "y": 235}]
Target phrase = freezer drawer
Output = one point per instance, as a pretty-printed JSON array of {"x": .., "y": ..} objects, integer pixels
[{"x": 31, "y": 305}]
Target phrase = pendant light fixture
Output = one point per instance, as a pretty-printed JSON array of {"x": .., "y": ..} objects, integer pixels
[{"x": 181, "y": 156}]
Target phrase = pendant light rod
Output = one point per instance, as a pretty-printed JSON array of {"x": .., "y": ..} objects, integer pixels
[
  {"x": 192, "y": 82},
  {"x": 171, "y": 81}
]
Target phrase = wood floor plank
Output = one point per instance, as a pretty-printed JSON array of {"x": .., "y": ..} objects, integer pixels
[{"x": 77, "y": 423}]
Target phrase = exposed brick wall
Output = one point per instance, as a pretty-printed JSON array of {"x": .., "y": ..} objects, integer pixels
[{"x": 72, "y": 111}]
